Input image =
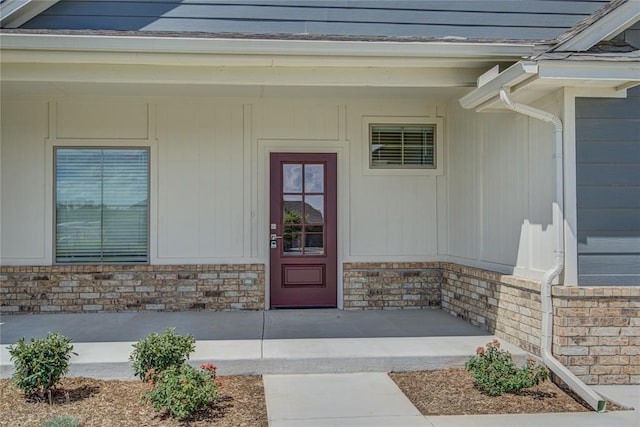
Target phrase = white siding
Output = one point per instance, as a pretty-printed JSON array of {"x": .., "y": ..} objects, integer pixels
[
  {"x": 500, "y": 190},
  {"x": 489, "y": 205},
  {"x": 209, "y": 202},
  {"x": 391, "y": 216},
  {"x": 200, "y": 184},
  {"x": 24, "y": 131}
]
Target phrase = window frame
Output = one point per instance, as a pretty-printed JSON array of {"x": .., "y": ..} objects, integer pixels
[
  {"x": 55, "y": 147},
  {"x": 369, "y": 122}
]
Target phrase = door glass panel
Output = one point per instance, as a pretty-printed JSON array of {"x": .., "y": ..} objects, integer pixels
[
  {"x": 292, "y": 240},
  {"x": 314, "y": 209},
  {"x": 291, "y": 178},
  {"x": 313, "y": 178},
  {"x": 292, "y": 209},
  {"x": 303, "y": 206},
  {"x": 314, "y": 244}
]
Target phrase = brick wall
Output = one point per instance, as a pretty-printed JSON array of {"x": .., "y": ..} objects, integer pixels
[
  {"x": 596, "y": 329},
  {"x": 507, "y": 306},
  {"x": 597, "y": 333},
  {"x": 74, "y": 289},
  {"x": 391, "y": 285}
]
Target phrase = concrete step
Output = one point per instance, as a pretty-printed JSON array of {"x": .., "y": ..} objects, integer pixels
[{"x": 290, "y": 356}]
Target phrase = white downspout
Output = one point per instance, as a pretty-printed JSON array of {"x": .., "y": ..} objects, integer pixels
[{"x": 552, "y": 363}]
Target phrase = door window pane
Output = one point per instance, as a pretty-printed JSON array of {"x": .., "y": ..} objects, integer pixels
[
  {"x": 314, "y": 209},
  {"x": 101, "y": 205},
  {"x": 293, "y": 209},
  {"x": 291, "y": 178},
  {"x": 314, "y": 244},
  {"x": 292, "y": 240},
  {"x": 313, "y": 178}
]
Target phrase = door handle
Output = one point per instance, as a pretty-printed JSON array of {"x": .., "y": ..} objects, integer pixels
[{"x": 274, "y": 237}]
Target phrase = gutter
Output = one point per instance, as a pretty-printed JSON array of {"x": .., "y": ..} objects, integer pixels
[
  {"x": 593, "y": 399},
  {"x": 138, "y": 44}
]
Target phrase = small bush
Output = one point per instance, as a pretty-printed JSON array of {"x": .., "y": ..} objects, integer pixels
[
  {"x": 157, "y": 352},
  {"x": 40, "y": 363},
  {"x": 495, "y": 372},
  {"x": 183, "y": 389},
  {"x": 64, "y": 421}
]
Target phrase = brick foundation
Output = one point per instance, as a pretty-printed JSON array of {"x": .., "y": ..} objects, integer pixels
[
  {"x": 391, "y": 285},
  {"x": 597, "y": 333},
  {"x": 596, "y": 329},
  {"x": 75, "y": 289}
]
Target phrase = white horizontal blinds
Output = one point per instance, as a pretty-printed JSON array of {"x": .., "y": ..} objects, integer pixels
[
  {"x": 403, "y": 146},
  {"x": 102, "y": 205},
  {"x": 78, "y": 205},
  {"x": 125, "y": 205}
]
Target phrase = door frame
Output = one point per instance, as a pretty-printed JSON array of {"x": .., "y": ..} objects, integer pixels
[{"x": 262, "y": 195}]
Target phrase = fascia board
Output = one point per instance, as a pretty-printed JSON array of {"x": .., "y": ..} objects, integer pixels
[
  {"x": 263, "y": 47},
  {"x": 512, "y": 76},
  {"x": 621, "y": 71},
  {"x": 14, "y": 13},
  {"x": 605, "y": 28}
]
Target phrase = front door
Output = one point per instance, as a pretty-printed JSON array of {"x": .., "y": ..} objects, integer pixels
[{"x": 303, "y": 230}]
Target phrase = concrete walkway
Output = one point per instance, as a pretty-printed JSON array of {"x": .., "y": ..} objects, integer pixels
[
  {"x": 320, "y": 367},
  {"x": 373, "y": 399}
]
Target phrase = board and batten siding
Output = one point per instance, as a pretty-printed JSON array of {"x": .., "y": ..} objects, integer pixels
[
  {"x": 515, "y": 20},
  {"x": 207, "y": 203},
  {"x": 500, "y": 190},
  {"x": 608, "y": 190}
]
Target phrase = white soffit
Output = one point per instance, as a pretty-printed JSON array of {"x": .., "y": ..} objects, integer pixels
[
  {"x": 14, "y": 13},
  {"x": 607, "y": 27}
]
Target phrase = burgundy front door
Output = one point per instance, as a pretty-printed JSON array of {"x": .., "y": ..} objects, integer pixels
[{"x": 303, "y": 230}]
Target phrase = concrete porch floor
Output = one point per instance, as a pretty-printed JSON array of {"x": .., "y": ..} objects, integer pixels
[
  {"x": 352, "y": 349},
  {"x": 264, "y": 342}
]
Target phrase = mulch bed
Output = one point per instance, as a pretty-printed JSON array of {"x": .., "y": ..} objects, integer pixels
[
  {"x": 117, "y": 403},
  {"x": 453, "y": 392}
]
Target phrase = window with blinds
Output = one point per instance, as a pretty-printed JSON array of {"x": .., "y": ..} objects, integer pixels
[
  {"x": 405, "y": 146},
  {"x": 101, "y": 205}
]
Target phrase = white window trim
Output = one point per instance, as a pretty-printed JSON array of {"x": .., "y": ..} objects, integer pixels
[
  {"x": 367, "y": 121},
  {"x": 150, "y": 144}
]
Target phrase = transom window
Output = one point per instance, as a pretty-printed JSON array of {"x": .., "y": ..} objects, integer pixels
[
  {"x": 402, "y": 146},
  {"x": 101, "y": 205}
]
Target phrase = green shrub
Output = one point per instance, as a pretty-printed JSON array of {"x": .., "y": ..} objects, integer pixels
[
  {"x": 183, "y": 389},
  {"x": 495, "y": 372},
  {"x": 156, "y": 353},
  {"x": 40, "y": 363},
  {"x": 64, "y": 421}
]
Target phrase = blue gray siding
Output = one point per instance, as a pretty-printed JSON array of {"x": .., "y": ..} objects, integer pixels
[
  {"x": 474, "y": 19},
  {"x": 608, "y": 192}
]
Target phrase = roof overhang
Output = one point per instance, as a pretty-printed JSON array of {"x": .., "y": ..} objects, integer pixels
[
  {"x": 14, "y": 13},
  {"x": 529, "y": 81},
  {"x": 30, "y": 59},
  {"x": 23, "y": 44},
  {"x": 615, "y": 21}
]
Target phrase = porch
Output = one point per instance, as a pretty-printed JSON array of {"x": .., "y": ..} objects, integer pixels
[{"x": 264, "y": 342}]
